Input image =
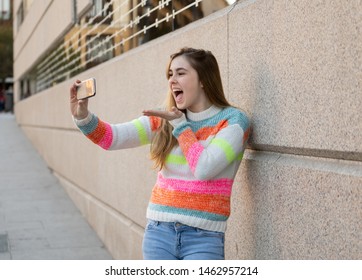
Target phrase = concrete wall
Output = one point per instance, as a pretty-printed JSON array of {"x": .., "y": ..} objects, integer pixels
[
  {"x": 295, "y": 67},
  {"x": 44, "y": 24}
]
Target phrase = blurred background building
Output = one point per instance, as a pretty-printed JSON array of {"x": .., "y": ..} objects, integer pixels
[
  {"x": 6, "y": 56},
  {"x": 103, "y": 29},
  {"x": 293, "y": 66}
]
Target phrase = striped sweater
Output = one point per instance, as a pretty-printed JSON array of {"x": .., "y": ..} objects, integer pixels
[{"x": 194, "y": 187}]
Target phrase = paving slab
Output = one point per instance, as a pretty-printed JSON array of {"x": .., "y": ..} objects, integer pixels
[{"x": 38, "y": 221}]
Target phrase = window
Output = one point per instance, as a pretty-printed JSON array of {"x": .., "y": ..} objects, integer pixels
[
  {"x": 99, "y": 49},
  {"x": 101, "y": 12}
]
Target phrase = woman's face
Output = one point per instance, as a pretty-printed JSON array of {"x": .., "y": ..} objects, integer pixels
[{"x": 186, "y": 87}]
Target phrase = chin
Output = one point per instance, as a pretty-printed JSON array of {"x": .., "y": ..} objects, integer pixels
[{"x": 181, "y": 107}]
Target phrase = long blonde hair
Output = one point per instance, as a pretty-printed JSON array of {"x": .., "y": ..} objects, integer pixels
[{"x": 208, "y": 71}]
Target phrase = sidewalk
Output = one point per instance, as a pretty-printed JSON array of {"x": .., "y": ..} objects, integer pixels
[{"x": 38, "y": 221}]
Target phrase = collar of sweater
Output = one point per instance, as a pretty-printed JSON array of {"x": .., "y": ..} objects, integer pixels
[{"x": 208, "y": 113}]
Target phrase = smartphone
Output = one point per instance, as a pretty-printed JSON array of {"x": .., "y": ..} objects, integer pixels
[{"x": 86, "y": 89}]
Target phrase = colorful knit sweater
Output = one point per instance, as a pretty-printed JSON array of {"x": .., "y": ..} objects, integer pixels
[{"x": 194, "y": 187}]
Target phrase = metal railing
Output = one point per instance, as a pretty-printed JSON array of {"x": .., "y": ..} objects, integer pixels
[{"x": 118, "y": 26}]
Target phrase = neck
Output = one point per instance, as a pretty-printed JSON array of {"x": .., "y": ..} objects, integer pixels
[
  {"x": 208, "y": 113},
  {"x": 200, "y": 107}
]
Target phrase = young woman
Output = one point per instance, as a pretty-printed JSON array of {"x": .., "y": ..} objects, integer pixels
[{"x": 197, "y": 143}]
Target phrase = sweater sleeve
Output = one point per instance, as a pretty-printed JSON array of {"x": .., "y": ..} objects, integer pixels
[
  {"x": 118, "y": 136},
  {"x": 207, "y": 159}
]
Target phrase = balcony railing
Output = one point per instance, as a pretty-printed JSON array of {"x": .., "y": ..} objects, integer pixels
[{"x": 111, "y": 28}]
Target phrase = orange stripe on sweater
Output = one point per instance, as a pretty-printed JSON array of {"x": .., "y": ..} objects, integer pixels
[
  {"x": 155, "y": 123},
  {"x": 186, "y": 139},
  {"x": 205, "y": 132},
  {"x": 216, "y": 204},
  {"x": 97, "y": 135}
]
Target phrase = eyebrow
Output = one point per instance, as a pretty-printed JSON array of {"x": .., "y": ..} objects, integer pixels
[{"x": 178, "y": 69}]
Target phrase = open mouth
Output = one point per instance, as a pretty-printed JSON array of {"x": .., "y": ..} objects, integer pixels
[{"x": 178, "y": 95}]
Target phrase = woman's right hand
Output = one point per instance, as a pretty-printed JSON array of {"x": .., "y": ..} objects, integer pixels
[{"x": 78, "y": 108}]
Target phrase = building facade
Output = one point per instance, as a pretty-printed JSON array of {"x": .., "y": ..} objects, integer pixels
[
  {"x": 293, "y": 66},
  {"x": 6, "y": 56}
]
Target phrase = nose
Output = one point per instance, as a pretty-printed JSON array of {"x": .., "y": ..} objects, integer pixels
[{"x": 172, "y": 80}]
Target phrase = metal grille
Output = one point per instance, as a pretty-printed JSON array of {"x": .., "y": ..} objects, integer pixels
[{"x": 113, "y": 27}]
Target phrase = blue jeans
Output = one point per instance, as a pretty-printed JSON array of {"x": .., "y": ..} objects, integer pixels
[{"x": 175, "y": 241}]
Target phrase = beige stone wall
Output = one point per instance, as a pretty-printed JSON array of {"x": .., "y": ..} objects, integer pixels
[
  {"x": 295, "y": 67},
  {"x": 44, "y": 24}
]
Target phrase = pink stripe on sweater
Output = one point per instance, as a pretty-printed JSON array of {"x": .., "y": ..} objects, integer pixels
[
  {"x": 107, "y": 138},
  {"x": 193, "y": 155},
  {"x": 216, "y": 187}
]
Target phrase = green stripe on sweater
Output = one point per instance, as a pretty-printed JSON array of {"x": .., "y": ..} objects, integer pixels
[
  {"x": 175, "y": 159},
  {"x": 226, "y": 147},
  {"x": 142, "y": 134}
]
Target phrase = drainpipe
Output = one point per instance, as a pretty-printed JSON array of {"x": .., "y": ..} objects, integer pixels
[{"x": 74, "y": 10}]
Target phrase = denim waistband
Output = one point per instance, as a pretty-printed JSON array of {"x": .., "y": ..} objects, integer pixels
[
  {"x": 170, "y": 224},
  {"x": 177, "y": 226}
]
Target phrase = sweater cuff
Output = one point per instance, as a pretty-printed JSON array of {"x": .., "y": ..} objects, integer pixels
[{"x": 84, "y": 121}]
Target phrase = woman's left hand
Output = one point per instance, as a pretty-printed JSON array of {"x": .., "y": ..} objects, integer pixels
[{"x": 167, "y": 115}]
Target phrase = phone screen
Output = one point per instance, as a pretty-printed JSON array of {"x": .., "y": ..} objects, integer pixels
[{"x": 86, "y": 89}]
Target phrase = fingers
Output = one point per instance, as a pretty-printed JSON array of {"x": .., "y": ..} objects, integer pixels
[
  {"x": 167, "y": 115},
  {"x": 79, "y": 108},
  {"x": 176, "y": 111},
  {"x": 73, "y": 89},
  {"x": 155, "y": 113},
  {"x": 75, "y": 84}
]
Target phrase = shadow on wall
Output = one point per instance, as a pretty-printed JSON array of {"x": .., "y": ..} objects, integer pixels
[
  {"x": 266, "y": 108},
  {"x": 255, "y": 182}
]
